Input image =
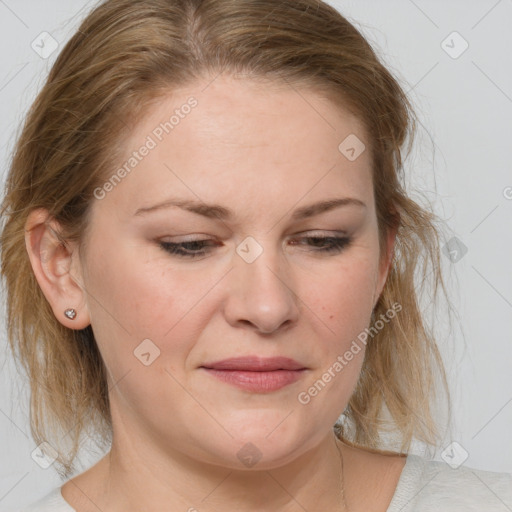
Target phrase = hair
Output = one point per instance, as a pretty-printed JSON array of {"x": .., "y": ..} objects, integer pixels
[{"x": 128, "y": 54}]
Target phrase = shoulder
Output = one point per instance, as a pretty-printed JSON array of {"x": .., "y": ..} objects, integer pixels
[
  {"x": 427, "y": 485},
  {"x": 51, "y": 502}
]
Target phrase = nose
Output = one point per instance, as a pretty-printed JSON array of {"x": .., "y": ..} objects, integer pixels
[{"x": 260, "y": 293}]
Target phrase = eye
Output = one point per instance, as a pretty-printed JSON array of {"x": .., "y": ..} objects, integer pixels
[
  {"x": 328, "y": 244},
  {"x": 191, "y": 249},
  {"x": 196, "y": 248}
]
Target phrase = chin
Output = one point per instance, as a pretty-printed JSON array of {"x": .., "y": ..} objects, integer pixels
[{"x": 259, "y": 446}]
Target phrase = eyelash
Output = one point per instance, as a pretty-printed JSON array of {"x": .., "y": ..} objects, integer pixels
[{"x": 337, "y": 244}]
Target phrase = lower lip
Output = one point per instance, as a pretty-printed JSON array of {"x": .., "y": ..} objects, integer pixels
[{"x": 257, "y": 381}]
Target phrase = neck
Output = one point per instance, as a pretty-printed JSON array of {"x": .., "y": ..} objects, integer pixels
[{"x": 143, "y": 476}]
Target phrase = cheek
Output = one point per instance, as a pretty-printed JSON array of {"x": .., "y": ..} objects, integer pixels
[
  {"x": 341, "y": 309},
  {"x": 144, "y": 296},
  {"x": 130, "y": 301},
  {"x": 343, "y": 297}
]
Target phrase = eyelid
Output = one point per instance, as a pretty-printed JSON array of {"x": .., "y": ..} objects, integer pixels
[
  {"x": 201, "y": 237},
  {"x": 322, "y": 232},
  {"x": 337, "y": 244}
]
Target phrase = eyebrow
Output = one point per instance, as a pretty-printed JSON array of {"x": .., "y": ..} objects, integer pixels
[{"x": 217, "y": 211}]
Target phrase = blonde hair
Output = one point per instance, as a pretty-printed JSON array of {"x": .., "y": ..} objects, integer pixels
[{"x": 127, "y": 54}]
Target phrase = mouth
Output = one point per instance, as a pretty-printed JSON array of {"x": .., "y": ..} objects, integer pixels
[
  {"x": 256, "y": 374},
  {"x": 255, "y": 364}
]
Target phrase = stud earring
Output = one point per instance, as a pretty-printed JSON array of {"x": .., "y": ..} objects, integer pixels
[{"x": 70, "y": 313}]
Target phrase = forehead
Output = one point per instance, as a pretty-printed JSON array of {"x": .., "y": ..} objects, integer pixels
[{"x": 244, "y": 138}]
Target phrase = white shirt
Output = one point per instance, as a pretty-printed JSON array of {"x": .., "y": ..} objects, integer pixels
[{"x": 424, "y": 486}]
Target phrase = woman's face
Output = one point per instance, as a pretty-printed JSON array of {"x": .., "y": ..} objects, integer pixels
[{"x": 259, "y": 284}]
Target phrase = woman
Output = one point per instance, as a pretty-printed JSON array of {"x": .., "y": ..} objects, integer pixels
[{"x": 209, "y": 259}]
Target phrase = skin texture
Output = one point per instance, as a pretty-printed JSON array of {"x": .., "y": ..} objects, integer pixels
[{"x": 262, "y": 151}]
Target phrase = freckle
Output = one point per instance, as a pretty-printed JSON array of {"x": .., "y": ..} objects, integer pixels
[{"x": 331, "y": 317}]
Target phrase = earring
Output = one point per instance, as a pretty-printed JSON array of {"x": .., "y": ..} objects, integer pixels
[{"x": 70, "y": 313}]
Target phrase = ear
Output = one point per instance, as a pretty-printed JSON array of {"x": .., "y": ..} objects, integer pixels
[
  {"x": 385, "y": 262},
  {"x": 54, "y": 262}
]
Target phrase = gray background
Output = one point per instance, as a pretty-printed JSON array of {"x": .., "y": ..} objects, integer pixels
[{"x": 461, "y": 164}]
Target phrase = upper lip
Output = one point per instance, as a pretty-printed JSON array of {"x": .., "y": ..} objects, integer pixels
[{"x": 255, "y": 364}]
